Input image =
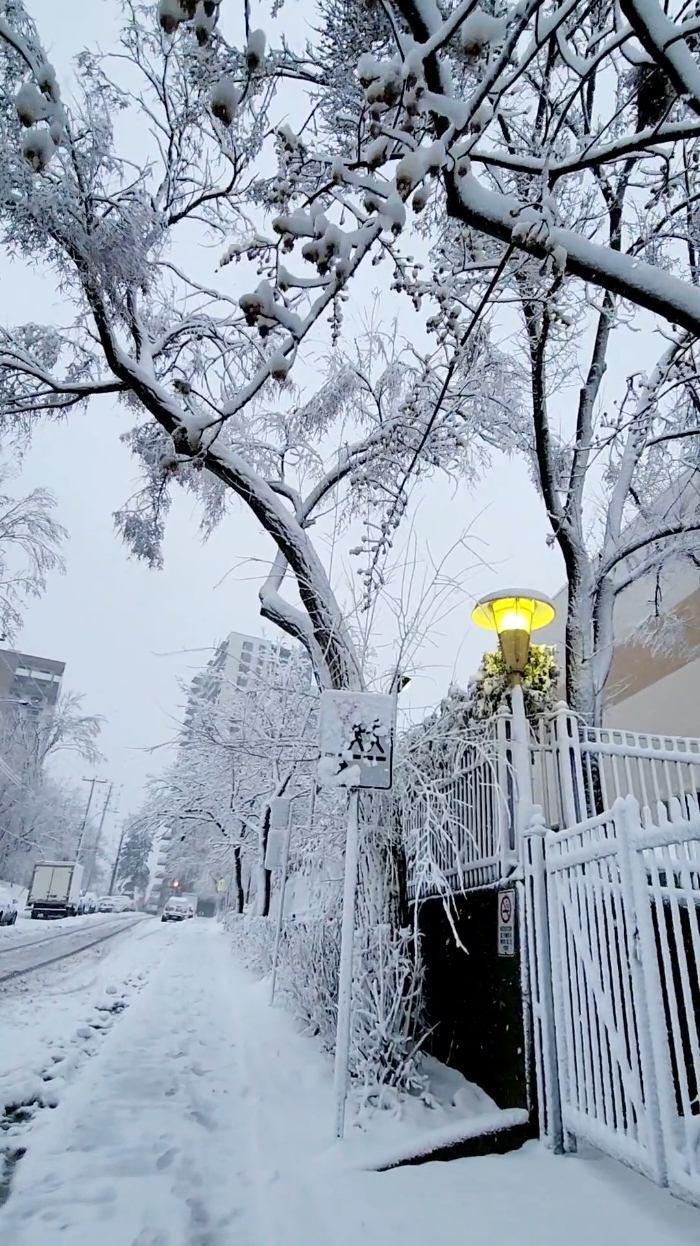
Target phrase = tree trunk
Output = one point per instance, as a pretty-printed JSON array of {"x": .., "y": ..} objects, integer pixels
[
  {"x": 578, "y": 646},
  {"x": 238, "y": 879},
  {"x": 264, "y": 880}
]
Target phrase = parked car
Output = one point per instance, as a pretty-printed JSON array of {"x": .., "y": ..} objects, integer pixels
[
  {"x": 176, "y": 910},
  {"x": 116, "y": 904},
  {"x": 88, "y": 902},
  {"x": 9, "y": 908}
]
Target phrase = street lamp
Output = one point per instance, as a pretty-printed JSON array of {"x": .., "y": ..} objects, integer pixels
[{"x": 514, "y": 614}]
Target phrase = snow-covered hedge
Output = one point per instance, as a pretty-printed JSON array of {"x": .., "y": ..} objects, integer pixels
[{"x": 386, "y": 991}]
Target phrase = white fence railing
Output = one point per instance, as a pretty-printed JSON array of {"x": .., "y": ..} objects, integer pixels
[
  {"x": 613, "y": 937},
  {"x": 578, "y": 771},
  {"x": 458, "y": 824},
  {"x": 457, "y": 821},
  {"x": 612, "y": 912}
]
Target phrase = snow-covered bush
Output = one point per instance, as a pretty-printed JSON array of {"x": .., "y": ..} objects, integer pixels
[
  {"x": 387, "y": 999},
  {"x": 253, "y": 939},
  {"x": 489, "y": 689}
]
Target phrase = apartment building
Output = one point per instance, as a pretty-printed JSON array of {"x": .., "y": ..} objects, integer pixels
[
  {"x": 29, "y": 681},
  {"x": 241, "y": 661}
]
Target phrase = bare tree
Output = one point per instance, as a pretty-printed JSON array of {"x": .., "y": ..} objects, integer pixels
[
  {"x": 41, "y": 813},
  {"x": 30, "y": 539},
  {"x": 205, "y": 367},
  {"x": 241, "y": 747}
]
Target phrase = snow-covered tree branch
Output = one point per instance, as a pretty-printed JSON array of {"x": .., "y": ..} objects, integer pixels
[
  {"x": 30, "y": 541},
  {"x": 204, "y": 365}
]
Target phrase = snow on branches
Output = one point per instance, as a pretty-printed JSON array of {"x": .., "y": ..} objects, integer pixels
[
  {"x": 201, "y": 14},
  {"x": 543, "y": 156}
]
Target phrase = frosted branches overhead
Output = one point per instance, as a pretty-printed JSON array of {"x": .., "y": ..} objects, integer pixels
[
  {"x": 502, "y": 108},
  {"x": 541, "y": 156}
]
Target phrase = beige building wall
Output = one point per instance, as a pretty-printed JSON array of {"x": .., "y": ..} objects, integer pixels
[
  {"x": 668, "y": 706},
  {"x": 653, "y": 687},
  {"x": 653, "y": 690}
]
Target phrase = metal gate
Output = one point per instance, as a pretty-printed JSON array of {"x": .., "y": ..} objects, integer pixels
[{"x": 614, "y": 947}]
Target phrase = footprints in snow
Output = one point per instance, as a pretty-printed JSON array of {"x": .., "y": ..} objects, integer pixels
[{"x": 24, "y": 1093}]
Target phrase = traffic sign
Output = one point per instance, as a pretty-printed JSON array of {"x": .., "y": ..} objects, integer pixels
[
  {"x": 506, "y": 923},
  {"x": 274, "y": 852},
  {"x": 356, "y": 737}
]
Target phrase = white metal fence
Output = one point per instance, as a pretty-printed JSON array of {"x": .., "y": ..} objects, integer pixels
[
  {"x": 456, "y": 817},
  {"x": 614, "y": 949},
  {"x": 612, "y": 886},
  {"x": 579, "y": 771}
]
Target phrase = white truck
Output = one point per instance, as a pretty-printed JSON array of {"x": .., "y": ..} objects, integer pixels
[{"x": 55, "y": 889}]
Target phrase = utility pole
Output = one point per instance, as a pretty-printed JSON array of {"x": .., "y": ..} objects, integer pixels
[
  {"x": 98, "y": 837},
  {"x": 92, "y": 783},
  {"x": 115, "y": 867}
]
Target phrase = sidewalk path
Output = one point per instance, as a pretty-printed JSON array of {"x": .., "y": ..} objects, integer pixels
[{"x": 205, "y": 1119}]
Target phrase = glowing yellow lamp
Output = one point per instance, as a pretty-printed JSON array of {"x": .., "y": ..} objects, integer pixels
[{"x": 514, "y": 614}]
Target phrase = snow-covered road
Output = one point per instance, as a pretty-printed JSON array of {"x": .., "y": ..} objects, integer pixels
[
  {"x": 30, "y": 950},
  {"x": 204, "y": 1119}
]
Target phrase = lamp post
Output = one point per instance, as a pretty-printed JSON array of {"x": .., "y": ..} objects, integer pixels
[{"x": 514, "y": 614}]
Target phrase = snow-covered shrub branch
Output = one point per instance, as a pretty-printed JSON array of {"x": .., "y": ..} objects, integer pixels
[
  {"x": 507, "y": 107},
  {"x": 387, "y": 1011}
]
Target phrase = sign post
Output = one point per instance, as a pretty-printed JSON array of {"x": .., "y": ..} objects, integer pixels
[
  {"x": 356, "y": 745},
  {"x": 347, "y": 938},
  {"x": 280, "y": 824}
]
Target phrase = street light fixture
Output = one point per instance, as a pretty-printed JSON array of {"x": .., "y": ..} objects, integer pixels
[{"x": 514, "y": 614}]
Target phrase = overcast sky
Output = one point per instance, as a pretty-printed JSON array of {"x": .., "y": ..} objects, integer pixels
[{"x": 127, "y": 634}]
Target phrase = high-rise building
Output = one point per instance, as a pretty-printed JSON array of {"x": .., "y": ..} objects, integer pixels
[
  {"x": 249, "y": 657},
  {"x": 239, "y": 662},
  {"x": 29, "y": 681}
]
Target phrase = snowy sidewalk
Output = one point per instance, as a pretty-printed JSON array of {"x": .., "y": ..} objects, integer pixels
[{"x": 205, "y": 1120}]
